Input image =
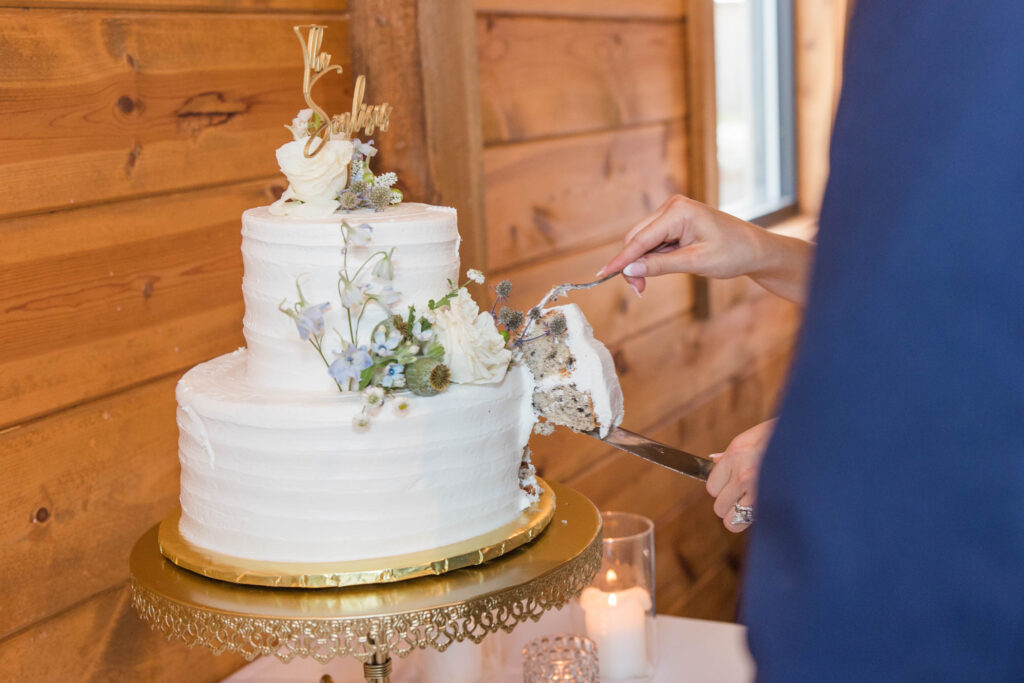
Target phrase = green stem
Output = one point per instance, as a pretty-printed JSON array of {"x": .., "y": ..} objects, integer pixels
[{"x": 318, "y": 345}]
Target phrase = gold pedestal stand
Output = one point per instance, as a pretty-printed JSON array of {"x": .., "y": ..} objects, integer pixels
[{"x": 373, "y": 622}]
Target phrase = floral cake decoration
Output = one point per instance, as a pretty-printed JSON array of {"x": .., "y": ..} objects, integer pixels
[
  {"x": 411, "y": 350},
  {"x": 328, "y": 169}
]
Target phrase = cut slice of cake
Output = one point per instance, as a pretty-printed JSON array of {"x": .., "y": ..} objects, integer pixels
[{"x": 576, "y": 385}]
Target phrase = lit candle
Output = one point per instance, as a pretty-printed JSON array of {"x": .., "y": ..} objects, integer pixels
[{"x": 617, "y": 623}]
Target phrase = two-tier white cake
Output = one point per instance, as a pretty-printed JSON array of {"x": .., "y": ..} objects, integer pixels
[
  {"x": 376, "y": 410},
  {"x": 272, "y": 468}
]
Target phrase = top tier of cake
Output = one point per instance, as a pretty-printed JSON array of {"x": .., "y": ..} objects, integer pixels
[{"x": 278, "y": 252}]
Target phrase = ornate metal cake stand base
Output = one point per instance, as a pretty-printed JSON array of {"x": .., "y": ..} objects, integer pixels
[{"x": 374, "y": 622}]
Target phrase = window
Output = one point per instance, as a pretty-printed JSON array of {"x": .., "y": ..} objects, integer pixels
[{"x": 754, "y": 100}]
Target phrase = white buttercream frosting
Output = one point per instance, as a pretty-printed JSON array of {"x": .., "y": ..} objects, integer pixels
[
  {"x": 593, "y": 371},
  {"x": 277, "y": 475},
  {"x": 278, "y": 251}
]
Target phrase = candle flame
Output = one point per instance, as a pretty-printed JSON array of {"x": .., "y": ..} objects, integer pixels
[
  {"x": 612, "y": 599},
  {"x": 611, "y": 575}
]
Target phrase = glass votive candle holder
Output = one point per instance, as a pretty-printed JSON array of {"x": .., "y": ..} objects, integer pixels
[
  {"x": 618, "y": 607},
  {"x": 565, "y": 657}
]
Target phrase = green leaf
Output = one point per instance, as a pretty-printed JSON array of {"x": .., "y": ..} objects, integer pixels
[
  {"x": 504, "y": 334},
  {"x": 366, "y": 377},
  {"x": 434, "y": 350}
]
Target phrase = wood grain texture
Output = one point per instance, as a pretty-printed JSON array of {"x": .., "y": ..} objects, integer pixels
[
  {"x": 553, "y": 76},
  {"x": 111, "y": 472},
  {"x": 420, "y": 55},
  {"x": 700, "y": 81},
  {"x": 451, "y": 103},
  {"x": 667, "y": 367},
  {"x": 614, "y": 311},
  {"x": 97, "y": 299},
  {"x": 634, "y": 9},
  {"x": 103, "y": 640},
  {"x": 548, "y": 196},
  {"x": 105, "y": 105},
  {"x": 292, "y": 6},
  {"x": 820, "y": 34}
]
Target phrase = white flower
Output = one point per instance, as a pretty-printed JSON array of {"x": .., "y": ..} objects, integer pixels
[
  {"x": 475, "y": 275},
  {"x": 352, "y": 297},
  {"x": 373, "y": 398},
  {"x": 365, "y": 148},
  {"x": 316, "y": 180},
  {"x": 414, "y": 349},
  {"x": 358, "y": 236},
  {"x": 361, "y": 421},
  {"x": 401, "y": 406},
  {"x": 474, "y": 351},
  {"x": 387, "y": 296},
  {"x": 300, "y": 124}
]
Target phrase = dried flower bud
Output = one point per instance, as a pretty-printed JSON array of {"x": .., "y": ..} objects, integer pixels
[
  {"x": 427, "y": 376},
  {"x": 503, "y": 289},
  {"x": 357, "y": 187},
  {"x": 510, "y": 318},
  {"x": 401, "y": 325},
  {"x": 534, "y": 313},
  {"x": 557, "y": 324},
  {"x": 440, "y": 377},
  {"x": 349, "y": 200},
  {"x": 380, "y": 197}
]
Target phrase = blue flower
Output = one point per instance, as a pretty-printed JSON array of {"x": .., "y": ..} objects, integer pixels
[
  {"x": 351, "y": 362},
  {"x": 384, "y": 344},
  {"x": 394, "y": 376},
  {"x": 358, "y": 236},
  {"x": 310, "y": 320}
]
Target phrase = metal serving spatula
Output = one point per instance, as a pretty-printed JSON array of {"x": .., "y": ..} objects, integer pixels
[{"x": 660, "y": 454}]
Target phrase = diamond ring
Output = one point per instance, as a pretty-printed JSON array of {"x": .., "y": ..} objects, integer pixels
[{"x": 742, "y": 514}]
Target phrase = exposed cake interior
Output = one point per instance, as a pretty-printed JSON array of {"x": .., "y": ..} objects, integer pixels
[{"x": 576, "y": 384}]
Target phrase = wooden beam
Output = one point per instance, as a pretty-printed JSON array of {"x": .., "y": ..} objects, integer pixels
[
  {"x": 633, "y": 9},
  {"x": 420, "y": 55}
]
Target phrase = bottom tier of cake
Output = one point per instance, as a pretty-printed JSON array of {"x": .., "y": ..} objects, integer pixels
[{"x": 272, "y": 475}]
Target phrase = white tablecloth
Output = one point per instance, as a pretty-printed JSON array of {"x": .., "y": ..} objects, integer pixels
[{"x": 689, "y": 651}]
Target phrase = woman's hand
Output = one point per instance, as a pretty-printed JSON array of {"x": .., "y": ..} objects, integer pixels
[
  {"x": 685, "y": 236},
  {"x": 734, "y": 477}
]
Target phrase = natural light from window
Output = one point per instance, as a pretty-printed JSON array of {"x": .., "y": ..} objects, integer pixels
[{"x": 753, "y": 78}]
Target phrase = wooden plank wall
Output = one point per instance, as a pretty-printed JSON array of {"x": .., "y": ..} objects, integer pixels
[
  {"x": 588, "y": 125},
  {"x": 135, "y": 132}
]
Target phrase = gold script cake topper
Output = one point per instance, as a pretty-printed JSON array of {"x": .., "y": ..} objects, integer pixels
[{"x": 362, "y": 116}]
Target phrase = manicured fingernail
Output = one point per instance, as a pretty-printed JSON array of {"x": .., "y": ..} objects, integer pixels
[
  {"x": 715, "y": 456},
  {"x": 635, "y": 269},
  {"x": 599, "y": 273},
  {"x": 636, "y": 291}
]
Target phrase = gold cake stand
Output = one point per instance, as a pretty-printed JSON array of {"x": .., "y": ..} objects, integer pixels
[{"x": 375, "y": 621}]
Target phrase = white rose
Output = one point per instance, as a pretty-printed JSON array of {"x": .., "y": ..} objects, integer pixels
[
  {"x": 474, "y": 351},
  {"x": 316, "y": 180}
]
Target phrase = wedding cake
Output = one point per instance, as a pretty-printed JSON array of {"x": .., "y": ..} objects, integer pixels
[{"x": 376, "y": 410}]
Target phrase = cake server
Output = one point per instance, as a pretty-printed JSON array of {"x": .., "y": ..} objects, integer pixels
[{"x": 660, "y": 454}]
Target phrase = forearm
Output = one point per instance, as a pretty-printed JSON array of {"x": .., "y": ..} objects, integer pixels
[{"x": 785, "y": 266}]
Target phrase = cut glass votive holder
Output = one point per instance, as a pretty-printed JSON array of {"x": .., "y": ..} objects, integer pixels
[
  {"x": 564, "y": 658},
  {"x": 618, "y": 607}
]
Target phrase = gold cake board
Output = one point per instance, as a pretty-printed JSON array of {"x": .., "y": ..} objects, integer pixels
[
  {"x": 477, "y": 550},
  {"x": 373, "y": 622}
]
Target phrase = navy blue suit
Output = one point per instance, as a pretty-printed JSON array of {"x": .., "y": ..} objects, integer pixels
[{"x": 889, "y": 544}]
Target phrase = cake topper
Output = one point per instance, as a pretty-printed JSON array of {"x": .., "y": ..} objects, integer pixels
[{"x": 362, "y": 116}]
